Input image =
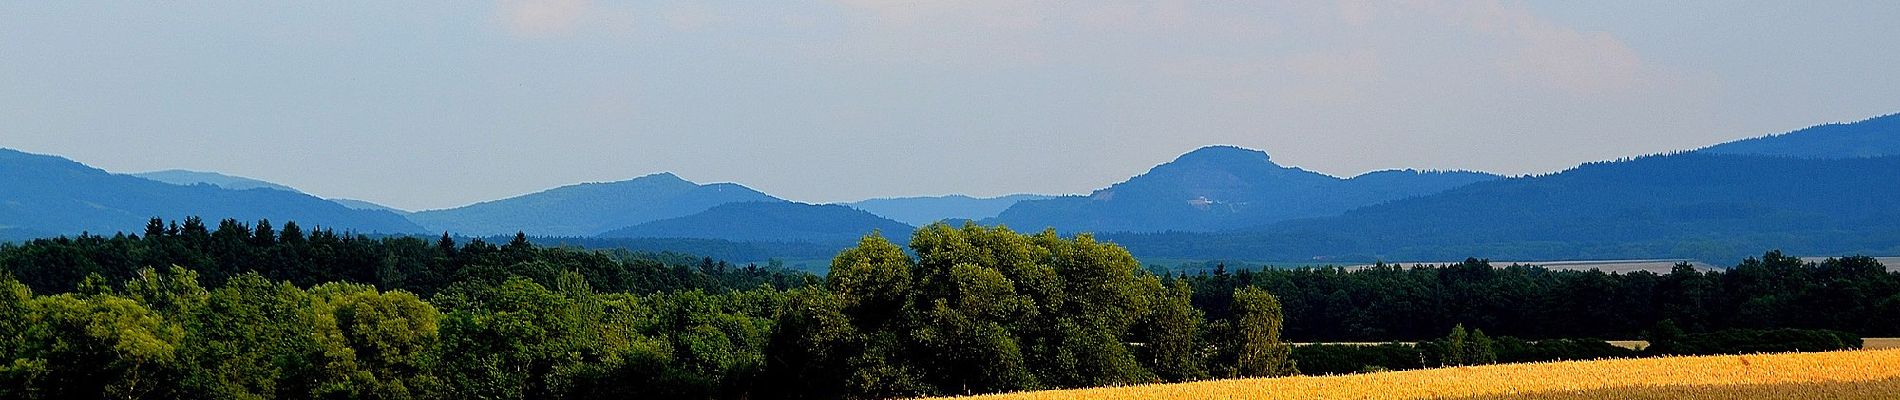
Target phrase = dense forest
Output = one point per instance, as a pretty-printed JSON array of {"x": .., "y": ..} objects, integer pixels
[
  {"x": 258, "y": 311},
  {"x": 1389, "y": 302},
  {"x": 413, "y": 264},
  {"x": 251, "y": 310}
]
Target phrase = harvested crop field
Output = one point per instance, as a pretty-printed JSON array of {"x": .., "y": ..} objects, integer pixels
[
  {"x": 1867, "y": 344},
  {"x": 1880, "y": 343},
  {"x": 1871, "y": 374}
]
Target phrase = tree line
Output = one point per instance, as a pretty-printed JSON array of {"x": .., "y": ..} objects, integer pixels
[
  {"x": 255, "y": 311},
  {"x": 414, "y": 264},
  {"x": 965, "y": 310},
  {"x": 1393, "y": 303}
]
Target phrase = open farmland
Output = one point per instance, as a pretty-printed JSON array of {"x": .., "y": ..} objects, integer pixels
[
  {"x": 1847, "y": 374},
  {"x": 1618, "y": 266},
  {"x": 1892, "y": 263}
]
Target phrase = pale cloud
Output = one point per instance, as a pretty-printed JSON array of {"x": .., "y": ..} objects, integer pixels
[
  {"x": 1013, "y": 34},
  {"x": 986, "y": 14},
  {"x": 1315, "y": 43},
  {"x": 1333, "y": 76},
  {"x": 692, "y": 17},
  {"x": 543, "y": 18},
  {"x": 1539, "y": 51}
]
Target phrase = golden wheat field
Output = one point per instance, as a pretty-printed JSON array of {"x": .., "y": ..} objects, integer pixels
[{"x": 1864, "y": 374}]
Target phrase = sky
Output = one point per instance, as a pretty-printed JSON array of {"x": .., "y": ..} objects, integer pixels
[{"x": 435, "y": 104}]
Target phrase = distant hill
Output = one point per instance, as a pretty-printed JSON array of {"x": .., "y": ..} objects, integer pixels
[
  {"x": 1875, "y": 137},
  {"x": 15, "y": 235},
  {"x": 1714, "y": 207},
  {"x": 919, "y": 211},
  {"x": 364, "y": 205},
  {"x": 42, "y": 194},
  {"x": 184, "y": 177},
  {"x": 1223, "y": 187},
  {"x": 588, "y": 209},
  {"x": 779, "y": 221}
]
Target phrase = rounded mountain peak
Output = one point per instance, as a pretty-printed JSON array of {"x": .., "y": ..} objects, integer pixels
[{"x": 1224, "y": 154}]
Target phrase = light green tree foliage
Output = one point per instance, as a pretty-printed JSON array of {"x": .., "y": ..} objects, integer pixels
[
  {"x": 1454, "y": 347},
  {"x": 1463, "y": 347},
  {"x": 977, "y": 310},
  {"x": 715, "y": 337},
  {"x": 1172, "y": 335},
  {"x": 16, "y": 370},
  {"x": 631, "y": 359},
  {"x": 1106, "y": 292},
  {"x": 173, "y": 292},
  {"x": 709, "y": 346},
  {"x": 967, "y": 340},
  {"x": 1478, "y": 350},
  {"x": 375, "y": 345},
  {"x": 1256, "y": 344},
  {"x": 501, "y": 341},
  {"x": 811, "y": 347},
  {"x": 978, "y": 307},
  {"x": 522, "y": 340},
  {"x": 252, "y": 339},
  {"x": 86, "y": 346},
  {"x": 874, "y": 284},
  {"x": 873, "y": 279}
]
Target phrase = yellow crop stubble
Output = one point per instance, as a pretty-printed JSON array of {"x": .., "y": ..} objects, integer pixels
[{"x": 1827, "y": 374}]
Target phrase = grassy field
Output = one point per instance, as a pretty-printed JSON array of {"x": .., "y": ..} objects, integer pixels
[
  {"x": 1631, "y": 344},
  {"x": 1865, "y": 374}
]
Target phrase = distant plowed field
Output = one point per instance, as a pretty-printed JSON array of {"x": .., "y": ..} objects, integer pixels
[{"x": 1866, "y": 374}]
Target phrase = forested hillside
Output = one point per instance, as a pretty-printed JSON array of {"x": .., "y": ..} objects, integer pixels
[{"x": 1873, "y": 137}]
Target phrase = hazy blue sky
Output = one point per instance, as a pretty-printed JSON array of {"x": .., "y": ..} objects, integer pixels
[{"x": 437, "y": 104}]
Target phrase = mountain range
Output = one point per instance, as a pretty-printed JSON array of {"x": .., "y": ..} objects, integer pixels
[
  {"x": 1690, "y": 205},
  {"x": 184, "y": 177},
  {"x": 1826, "y": 189},
  {"x": 1721, "y": 203},
  {"x": 589, "y": 209},
  {"x": 41, "y": 194},
  {"x": 771, "y": 221},
  {"x": 1220, "y": 188},
  {"x": 925, "y": 210}
]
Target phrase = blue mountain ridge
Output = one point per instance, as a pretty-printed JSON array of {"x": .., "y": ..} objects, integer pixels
[
  {"x": 1218, "y": 188},
  {"x": 45, "y": 195},
  {"x": 588, "y": 209}
]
